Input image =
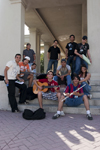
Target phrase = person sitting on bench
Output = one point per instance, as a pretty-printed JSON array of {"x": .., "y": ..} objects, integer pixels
[
  {"x": 25, "y": 71},
  {"x": 76, "y": 99},
  {"x": 63, "y": 73},
  {"x": 52, "y": 93}
]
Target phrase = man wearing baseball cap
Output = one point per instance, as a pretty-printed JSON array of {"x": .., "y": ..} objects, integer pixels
[
  {"x": 82, "y": 48},
  {"x": 25, "y": 70}
]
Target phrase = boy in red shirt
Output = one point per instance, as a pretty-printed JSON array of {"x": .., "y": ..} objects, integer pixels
[
  {"x": 74, "y": 100},
  {"x": 53, "y": 93}
]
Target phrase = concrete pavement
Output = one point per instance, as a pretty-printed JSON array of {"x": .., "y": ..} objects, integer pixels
[{"x": 72, "y": 132}]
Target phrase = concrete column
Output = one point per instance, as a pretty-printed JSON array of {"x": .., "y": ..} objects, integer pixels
[
  {"x": 35, "y": 45},
  {"x": 84, "y": 18},
  {"x": 12, "y": 19},
  {"x": 46, "y": 47},
  {"x": 93, "y": 11}
]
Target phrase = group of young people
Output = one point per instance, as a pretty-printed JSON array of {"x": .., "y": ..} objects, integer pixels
[{"x": 25, "y": 70}]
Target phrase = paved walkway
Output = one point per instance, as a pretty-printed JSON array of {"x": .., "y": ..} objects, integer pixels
[{"x": 72, "y": 132}]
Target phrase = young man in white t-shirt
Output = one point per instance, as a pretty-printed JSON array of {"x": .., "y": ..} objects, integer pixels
[
  {"x": 11, "y": 72},
  {"x": 63, "y": 71}
]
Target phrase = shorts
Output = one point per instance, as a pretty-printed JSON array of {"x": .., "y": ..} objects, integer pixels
[
  {"x": 51, "y": 95},
  {"x": 26, "y": 74},
  {"x": 73, "y": 102}
]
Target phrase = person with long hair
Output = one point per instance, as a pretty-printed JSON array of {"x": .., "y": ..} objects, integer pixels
[{"x": 85, "y": 79}]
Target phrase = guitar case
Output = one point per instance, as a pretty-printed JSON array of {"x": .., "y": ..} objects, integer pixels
[
  {"x": 30, "y": 95},
  {"x": 36, "y": 115}
]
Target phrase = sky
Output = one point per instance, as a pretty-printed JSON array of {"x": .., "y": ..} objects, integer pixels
[{"x": 26, "y": 30}]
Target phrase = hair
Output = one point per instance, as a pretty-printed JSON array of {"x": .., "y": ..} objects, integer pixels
[
  {"x": 17, "y": 55},
  {"x": 24, "y": 59},
  {"x": 76, "y": 76},
  {"x": 28, "y": 44},
  {"x": 55, "y": 41},
  {"x": 72, "y": 35},
  {"x": 63, "y": 60},
  {"x": 49, "y": 72},
  {"x": 81, "y": 73},
  {"x": 33, "y": 64}
]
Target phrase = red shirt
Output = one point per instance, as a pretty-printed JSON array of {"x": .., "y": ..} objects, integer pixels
[
  {"x": 50, "y": 84},
  {"x": 70, "y": 88}
]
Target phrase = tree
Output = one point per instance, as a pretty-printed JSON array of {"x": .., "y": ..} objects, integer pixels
[{"x": 42, "y": 63}]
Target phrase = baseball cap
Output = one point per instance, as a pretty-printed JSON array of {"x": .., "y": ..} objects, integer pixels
[
  {"x": 63, "y": 60},
  {"x": 84, "y": 37},
  {"x": 28, "y": 58}
]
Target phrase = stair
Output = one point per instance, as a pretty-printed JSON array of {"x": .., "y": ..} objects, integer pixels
[{"x": 51, "y": 106}]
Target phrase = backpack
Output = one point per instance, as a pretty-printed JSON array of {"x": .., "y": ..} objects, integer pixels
[
  {"x": 36, "y": 115},
  {"x": 42, "y": 76},
  {"x": 30, "y": 95},
  {"x": 1, "y": 78}
]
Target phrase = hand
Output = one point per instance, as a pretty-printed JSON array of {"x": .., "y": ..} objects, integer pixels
[
  {"x": 40, "y": 87},
  {"x": 90, "y": 61},
  {"x": 76, "y": 93},
  {"x": 75, "y": 58},
  {"x": 21, "y": 80},
  {"x": 55, "y": 88},
  {"x": 62, "y": 77},
  {"x": 66, "y": 94},
  {"x": 6, "y": 81},
  {"x": 48, "y": 59},
  {"x": 81, "y": 56},
  {"x": 66, "y": 57}
]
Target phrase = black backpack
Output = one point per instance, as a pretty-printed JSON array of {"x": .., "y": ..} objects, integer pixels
[
  {"x": 1, "y": 78},
  {"x": 30, "y": 95},
  {"x": 42, "y": 76},
  {"x": 36, "y": 115}
]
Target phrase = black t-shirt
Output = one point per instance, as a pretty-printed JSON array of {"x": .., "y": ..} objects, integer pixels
[
  {"x": 71, "y": 48},
  {"x": 82, "y": 49},
  {"x": 54, "y": 52}
]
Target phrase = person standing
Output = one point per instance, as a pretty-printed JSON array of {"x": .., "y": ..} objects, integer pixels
[
  {"x": 70, "y": 48},
  {"x": 53, "y": 56},
  {"x": 82, "y": 48},
  {"x": 30, "y": 53},
  {"x": 11, "y": 73}
]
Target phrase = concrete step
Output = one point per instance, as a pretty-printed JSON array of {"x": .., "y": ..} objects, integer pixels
[
  {"x": 95, "y": 94},
  {"x": 92, "y": 102},
  {"x": 53, "y": 108},
  {"x": 95, "y": 82},
  {"x": 95, "y": 88}
]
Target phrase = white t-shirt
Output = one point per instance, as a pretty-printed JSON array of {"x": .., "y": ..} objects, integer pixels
[
  {"x": 64, "y": 70},
  {"x": 13, "y": 70}
]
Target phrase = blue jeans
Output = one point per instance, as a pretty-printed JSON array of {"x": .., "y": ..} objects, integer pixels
[
  {"x": 52, "y": 61},
  {"x": 86, "y": 88},
  {"x": 78, "y": 63},
  {"x": 73, "y": 102},
  {"x": 71, "y": 60},
  {"x": 68, "y": 79}
]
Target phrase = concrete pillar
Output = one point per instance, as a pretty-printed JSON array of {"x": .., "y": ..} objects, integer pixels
[
  {"x": 35, "y": 45},
  {"x": 12, "y": 19},
  {"x": 84, "y": 18},
  {"x": 46, "y": 47},
  {"x": 93, "y": 11}
]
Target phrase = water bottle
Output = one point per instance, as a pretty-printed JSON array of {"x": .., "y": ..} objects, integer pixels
[{"x": 7, "y": 84}]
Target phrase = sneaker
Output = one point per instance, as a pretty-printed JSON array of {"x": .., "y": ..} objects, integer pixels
[
  {"x": 89, "y": 116},
  {"x": 89, "y": 96},
  {"x": 62, "y": 113},
  {"x": 56, "y": 116}
]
